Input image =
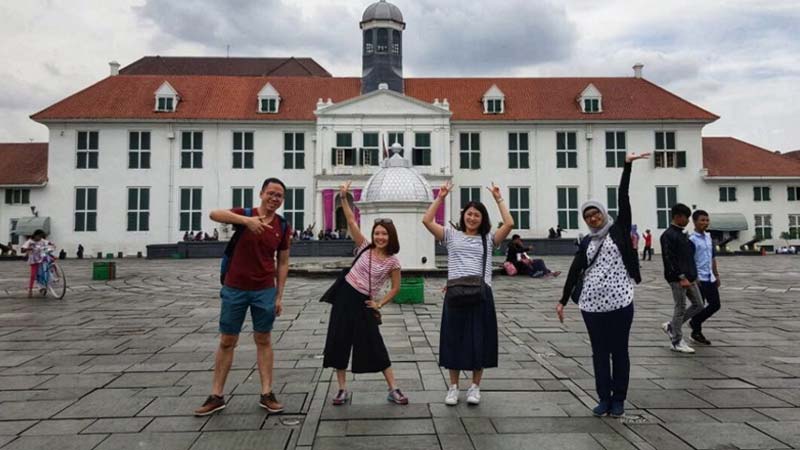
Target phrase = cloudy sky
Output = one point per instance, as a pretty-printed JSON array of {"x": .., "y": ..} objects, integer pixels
[{"x": 738, "y": 59}]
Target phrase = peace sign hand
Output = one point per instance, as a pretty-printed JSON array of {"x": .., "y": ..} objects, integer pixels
[
  {"x": 445, "y": 189},
  {"x": 345, "y": 188},
  {"x": 495, "y": 190}
]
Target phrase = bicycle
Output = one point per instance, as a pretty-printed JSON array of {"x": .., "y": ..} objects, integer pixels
[{"x": 51, "y": 276}]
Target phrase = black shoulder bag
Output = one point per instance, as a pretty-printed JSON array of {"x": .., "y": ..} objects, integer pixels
[
  {"x": 467, "y": 291},
  {"x": 576, "y": 291},
  {"x": 330, "y": 295}
]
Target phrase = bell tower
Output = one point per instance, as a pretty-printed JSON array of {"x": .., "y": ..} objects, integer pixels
[{"x": 382, "y": 50}]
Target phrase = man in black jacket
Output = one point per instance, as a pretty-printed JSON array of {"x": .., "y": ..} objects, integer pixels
[{"x": 680, "y": 271}]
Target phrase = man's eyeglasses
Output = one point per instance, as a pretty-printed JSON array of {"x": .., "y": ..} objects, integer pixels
[
  {"x": 276, "y": 195},
  {"x": 379, "y": 221}
]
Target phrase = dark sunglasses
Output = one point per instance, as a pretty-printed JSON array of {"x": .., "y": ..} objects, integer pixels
[{"x": 379, "y": 221}]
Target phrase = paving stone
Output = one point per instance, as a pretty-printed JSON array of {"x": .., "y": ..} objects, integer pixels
[
  {"x": 389, "y": 427},
  {"x": 535, "y": 441},
  {"x": 478, "y": 425},
  {"x": 455, "y": 442},
  {"x": 120, "y": 425},
  {"x": 551, "y": 424},
  {"x": 448, "y": 425},
  {"x": 68, "y": 426},
  {"x": 13, "y": 427},
  {"x": 682, "y": 415},
  {"x": 786, "y": 432},
  {"x": 658, "y": 436},
  {"x": 225, "y": 422},
  {"x": 31, "y": 410},
  {"x": 105, "y": 403},
  {"x": 385, "y": 410},
  {"x": 22, "y": 381},
  {"x": 722, "y": 435},
  {"x": 78, "y": 381},
  {"x": 144, "y": 441},
  {"x": 666, "y": 399},
  {"x": 422, "y": 442},
  {"x": 737, "y": 415},
  {"x": 738, "y": 398},
  {"x": 243, "y": 440},
  {"x": 145, "y": 379},
  {"x": 69, "y": 442}
]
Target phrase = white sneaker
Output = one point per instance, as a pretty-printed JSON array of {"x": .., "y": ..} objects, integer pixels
[
  {"x": 452, "y": 396},
  {"x": 474, "y": 395},
  {"x": 682, "y": 347},
  {"x": 666, "y": 327}
]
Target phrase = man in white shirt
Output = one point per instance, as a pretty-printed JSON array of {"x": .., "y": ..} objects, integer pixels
[{"x": 707, "y": 274}]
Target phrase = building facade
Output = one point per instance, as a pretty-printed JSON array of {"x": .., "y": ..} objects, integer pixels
[{"x": 143, "y": 155}]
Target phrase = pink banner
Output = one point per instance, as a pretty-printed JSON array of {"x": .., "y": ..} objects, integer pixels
[
  {"x": 439, "y": 212},
  {"x": 327, "y": 209}
]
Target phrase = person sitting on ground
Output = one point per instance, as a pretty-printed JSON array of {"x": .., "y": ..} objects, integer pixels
[
  {"x": 186, "y": 236},
  {"x": 559, "y": 230},
  {"x": 517, "y": 255},
  {"x": 215, "y": 235},
  {"x": 8, "y": 249},
  {"x": 551, "y": 233},
  {"x": 198, "y": 236}
]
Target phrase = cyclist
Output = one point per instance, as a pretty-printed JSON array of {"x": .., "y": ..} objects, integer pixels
[{"x": 35, "y": 248}]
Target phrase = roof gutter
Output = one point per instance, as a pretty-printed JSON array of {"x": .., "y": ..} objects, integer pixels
[
  {"x": 751, "y": 177},
  {"x": 22, "y": 185}
]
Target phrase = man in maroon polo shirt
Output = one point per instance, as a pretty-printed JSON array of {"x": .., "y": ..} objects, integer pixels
[{"x": 253, "y": 281}]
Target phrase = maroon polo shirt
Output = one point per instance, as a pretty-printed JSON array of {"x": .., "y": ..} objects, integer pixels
[{"x": 253, "y": 265}]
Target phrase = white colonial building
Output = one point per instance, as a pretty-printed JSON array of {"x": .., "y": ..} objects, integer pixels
[{"x": 143, "y": 155}]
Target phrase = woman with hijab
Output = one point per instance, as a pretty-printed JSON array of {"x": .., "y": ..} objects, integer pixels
[{"x": 608, "y": 266}]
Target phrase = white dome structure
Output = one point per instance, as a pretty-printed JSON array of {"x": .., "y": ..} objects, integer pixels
[{"x": 400, "y": 193}]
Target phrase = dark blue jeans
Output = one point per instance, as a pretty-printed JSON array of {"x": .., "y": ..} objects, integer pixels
[
  {"x": 609, "y": 332},
  {"x": 710, "y": 294}
]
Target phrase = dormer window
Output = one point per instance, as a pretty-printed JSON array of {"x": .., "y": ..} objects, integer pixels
[
  {"x": 268, "y": 100},
  {"x": 590, "y": 100},
  {"x": 494, "y": 101},
  {"x": 166, "y": 98}
]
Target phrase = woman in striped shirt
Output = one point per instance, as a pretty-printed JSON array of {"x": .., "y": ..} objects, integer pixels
[
  {"x": 468, "y": 336},
  {"x": 353, "y": 321}
]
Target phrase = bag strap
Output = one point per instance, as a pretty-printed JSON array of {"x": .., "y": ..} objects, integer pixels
[
  {"x": 596, "y": 254},
  {"x": 369, "y": 276},
  {"x": 483, "y": 271}
]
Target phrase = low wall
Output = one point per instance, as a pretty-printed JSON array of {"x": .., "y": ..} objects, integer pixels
[{"x": 214, "y": 249}]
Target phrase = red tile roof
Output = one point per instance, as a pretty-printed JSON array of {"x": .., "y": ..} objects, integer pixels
[
  {"x": 234, "y": 98},
  {"x": 793, "y": 154},
  {"x": 730, "y": 157},
  {"x": 179, "y": 65},
  {"x": 23, "y": 163}
]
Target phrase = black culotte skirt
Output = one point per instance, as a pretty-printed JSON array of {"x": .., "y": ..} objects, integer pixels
[
  {"x": 353, "y": 326},
  {"x": 468, "y": 337}
]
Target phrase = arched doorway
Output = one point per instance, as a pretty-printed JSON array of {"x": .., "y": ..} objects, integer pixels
[{"x": 340, "y": 221}]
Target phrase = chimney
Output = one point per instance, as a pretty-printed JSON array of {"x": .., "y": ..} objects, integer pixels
[
  {"x": 114, "y": 66},
  {"x": 637, "y": 70}
]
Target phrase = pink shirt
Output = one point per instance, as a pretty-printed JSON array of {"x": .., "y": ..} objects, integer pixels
[{"x": 359, "y": 275}]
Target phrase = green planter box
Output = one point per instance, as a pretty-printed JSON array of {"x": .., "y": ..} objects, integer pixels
[
  {"x": 412, "y": 291},
  {"x": 104, "y": 270}
]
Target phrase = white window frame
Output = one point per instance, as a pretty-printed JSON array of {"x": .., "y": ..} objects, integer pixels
[
  {"x": 668, "y": 157},
  {"x": 290, "y": 210},
  {"x": 140, "y": 151},
  {"x": 793, "y": 193},
  {"x": 18, "y": 196},
  {"x": 370, "y": 152},
  {"x": 142, "y": 215},
  {"x": 470, "y": 196},
  {"x": 470, "y": 151},
  {"x": 88, "y": 151},
  {"x": 514, "y": 140},
  {"x": 340, "y": 153},
  {"x": 519, "y": 211},
  {"x": 272, "y": 104},
  {"x": 759, "y": 191},
  {"x": 592, "y": 105},
  {"x": 166, "y": 103},
  {"x": 192, "y": 150},
  {"x": 243, "y": 152},
  {"x": 294, "y": 154},
  {"x": 612, "y": 199},
  {"x": 665, "y": 210},
  {"x": 86, "y": 211},
  {"x": 570, "y": 211},
  {"x": 424, "y": 152},
  {"x": 794, "y": 226},
  {"x": 614, "y": 150},
  {"x": 762, "y": 225},
  {"x": 569, "y": 154},
  {"x": 727, "y": 197},
  {"x": 243, "y": 192},
  {"x": 190, "y": 211}
]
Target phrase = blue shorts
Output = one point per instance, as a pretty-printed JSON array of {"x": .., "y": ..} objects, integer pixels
[{"x": 234, "y": 306}]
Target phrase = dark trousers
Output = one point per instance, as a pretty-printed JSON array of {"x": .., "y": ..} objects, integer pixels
[
  {"x": 710, "y": 294},
  {"x": 536, "y": 268},
  {"x": 609, "y": 332},
  {"x": 353, "y": 326},
  {"x": 647, "y": 253}
]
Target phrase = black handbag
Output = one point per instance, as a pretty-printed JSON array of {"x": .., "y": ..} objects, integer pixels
[
  {"x": 576, "y": 291},
  {"x": 330, "y": 295},
  {"x": 467, "y": 291}
]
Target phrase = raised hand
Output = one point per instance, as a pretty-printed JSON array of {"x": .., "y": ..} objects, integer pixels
[
  {"x": 630, "y": 157},
  {"x": 495, "y": 190},
  {"x": 445, "y": 189},
  {"x": 344, "y": 189},
  {"x": 255, "y": 224}
]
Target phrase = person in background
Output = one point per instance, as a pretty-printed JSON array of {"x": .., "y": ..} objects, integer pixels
[
  {"x": 680, "y": 271},
  {"x": 79, "y": 253},
  {"x": 215, "y": 236},
  {"x": 517, "y": 255},
  {"x": 635, "y": 238},
  {"x": 648, "y": 245},
  {"x": 559, "y": 230},
  {"x": 187, "y": 237},
  {"x": 707, "y": 274},
  {"x": 34, "y": 248}
]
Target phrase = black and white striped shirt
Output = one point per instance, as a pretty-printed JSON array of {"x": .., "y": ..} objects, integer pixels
[{"x": 465, "y": 253}]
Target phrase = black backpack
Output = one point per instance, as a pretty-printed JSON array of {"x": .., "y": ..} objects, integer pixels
[{"x": 227, "y": 256}]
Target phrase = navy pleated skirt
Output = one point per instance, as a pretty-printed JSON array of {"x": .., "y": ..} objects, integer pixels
[{"x": 468, "y": 337}]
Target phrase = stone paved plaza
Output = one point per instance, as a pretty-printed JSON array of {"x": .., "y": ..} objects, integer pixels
[{"x": 122, "y": 364}]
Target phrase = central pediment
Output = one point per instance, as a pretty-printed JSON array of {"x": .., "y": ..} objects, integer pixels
[{"x": 382, "y": 103}]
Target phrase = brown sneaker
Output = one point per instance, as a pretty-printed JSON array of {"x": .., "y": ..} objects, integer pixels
[
  {"x": 212, "y": 404},
  {"x": 270, "y": 403}
]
